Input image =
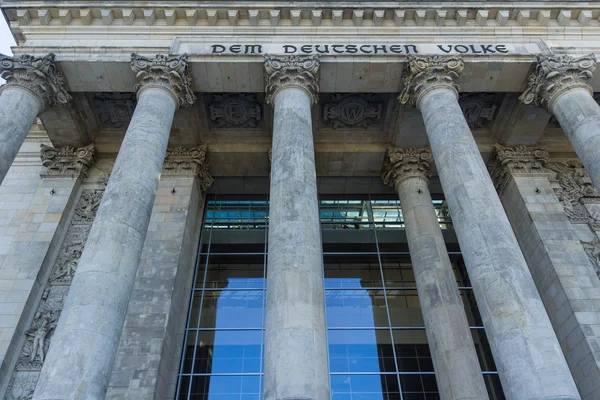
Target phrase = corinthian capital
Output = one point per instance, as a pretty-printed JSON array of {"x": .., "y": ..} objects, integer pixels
[
  {"x": 553, "y": 75},
  {"x": 292, "y": 71},
  {"x": 38, "y": 75},
  {"x": 403, "y": 164},
  {"x": 171, "y": 73},
  {"x": 188, "y": 161},
  {"x": 67, "y": 160},
  {"x": 508, "y": 161},
  {"x": 427, "y": 73}
]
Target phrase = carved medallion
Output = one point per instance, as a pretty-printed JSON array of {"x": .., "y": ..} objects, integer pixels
[
  {"x": 114, "y": 110},
  {"x": 352, "y": 111},
  {"x": 478, "y": 109},
  {"x": 235, "y": 111}
]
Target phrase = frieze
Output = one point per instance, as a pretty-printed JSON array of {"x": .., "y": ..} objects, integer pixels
[
  {"x": 352, "y": 111},
  {"x": 235, "y": 111},
  {"x": 478, "y": 108},
  {"x": 114, "y": 110}
]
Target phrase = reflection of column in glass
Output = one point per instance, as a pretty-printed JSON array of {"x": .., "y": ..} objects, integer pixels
[
  {"x": 295, "y": 334},
  {"x": 458, "y": 373},
  {"x": 528, "y": 356}
]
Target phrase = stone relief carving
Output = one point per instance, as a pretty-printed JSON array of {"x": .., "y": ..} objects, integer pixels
[
  {"x": 478, "y": 108},
  {"x": 427, "y": 72},
  {"x": 352, "y": 111},
  {"x": 39, "y": 334},
  {"x": 169, "y": 72},
  {"x": 576, "y": 188},
  {"x": 592, "y": 249},
  {"x": 292, "y": 71},
  {"x": 188, "y": 161},
  {"x": 555, "y": 74},
  {"x": 67, "y": 160},
  {"x": 36, "y": 74},
  {"x": 402, "y": 164},
  {"x": 237, "y": 111},
  {"x": 114, "y": 110},
  {"x": 506, "y": 161}
]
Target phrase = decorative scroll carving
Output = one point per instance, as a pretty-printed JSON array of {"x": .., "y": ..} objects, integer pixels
[
  {"x": 39, "y": 334},
  {"x": 188, "y": 161},
  {"x": 352, "y": 111},
  {"x": 575, "y": 188},
  {"x": 114, "y": 110},
  {"x": 478, "y": 108},
  {"x": 429, "y": 72},
  {"x": 592, "y": 249},
  {"x": 238, "y": 111},
  {"x": 407, "y": 163},
  {"x": 171, "y": 73},
  {"x": 555, "y": 74},
  {"x": 68, "y": 161},
  {"x": 292, "y": 71},
  {"x": 520, "y": 159},
  {"x": 36, "y": 74}
]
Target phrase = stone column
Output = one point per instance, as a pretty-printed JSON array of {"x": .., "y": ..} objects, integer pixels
[
  {"x": 548, "y": 233},
  {"x": 166, "y": 271},
  {"x": 32, "y": 85},
  {"x": 528, "y": 356},
  {"x": 457, "y": 369},
  {"x": 296, "y": 362},
  {"x": 84, "y": 345},
  {"x": 559, "y": 83}
]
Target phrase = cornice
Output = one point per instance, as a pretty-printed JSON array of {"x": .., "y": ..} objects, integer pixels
[{"x": 357, "y": 14}]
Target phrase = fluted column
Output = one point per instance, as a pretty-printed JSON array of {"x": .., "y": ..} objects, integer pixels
[
  {"x": 32, "y": 85},
  {"x": 80, "y": 359},
  {"x": 296, "y": 363},
  {"x": 457, "y": 369},
  {"x": 559, "y": 83},
  {"x": 529, "y": 359}
]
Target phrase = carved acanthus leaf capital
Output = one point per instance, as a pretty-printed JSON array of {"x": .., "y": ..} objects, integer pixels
[
  {"x": 292, "y": 71},
  {"x": 553, "y": 75},
  {"x": 426, "y": 73},
  {"x": 508, "y": 161},
  {"x": 67, "y": 160},
  {"x": 188, "y": 161},
  {"x": 171, "y": 73},
  {"x": 37, "y": 75},
  {"x": 403, "y": 164}
]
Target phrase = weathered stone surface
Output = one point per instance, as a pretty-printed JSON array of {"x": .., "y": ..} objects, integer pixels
[
  {"x": 296, "y": 364},
  {"x": 457, "y": 369},
  {"x": 301, "y": 72},
  {"x": 67, "y": 160}
]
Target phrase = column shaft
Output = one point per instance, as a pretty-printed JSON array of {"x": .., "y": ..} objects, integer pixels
[
  {"x": 83, "y": 348},
  {"x": 296, "y": 363},
  {"x": 579, "y": 117},
  {"x": 525, "y": 348},
  {"x": 457, "y": 369},
  {"x": 18, "y": 111}
]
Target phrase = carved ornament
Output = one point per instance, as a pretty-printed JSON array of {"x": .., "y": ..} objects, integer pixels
[
  {"x": 171, "y": 73},
  {"x": 478, "y": 109},
  {"x": 553, "y": 75},
  {"x": 235, "y": 111},
  {"x": 114, "y": 110},
  {"x": 403, "y": 164},
  {"x": 427, "y": 73},
  {"x": 520, "y": 159},
  {"x": 37, "y": 75},
  {"x": 67, "y": 160},
  {"x": 292, "y": 71},
  {"x": 188, "y": 161},
  {"x": 352, "y": 111}
]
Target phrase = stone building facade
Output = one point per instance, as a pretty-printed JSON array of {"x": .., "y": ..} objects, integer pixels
[{"x": 307, "y": 200}]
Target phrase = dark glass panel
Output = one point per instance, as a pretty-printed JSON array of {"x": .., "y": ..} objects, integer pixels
[
  {"x": 494, "y": 388},
  {"x": 405, "y": 309},
  {"x": 483, "y": 350},
  {"x": 188, "y": 354},
  {"x": 355, "y": 308},
  {"x": 397, "y": 270},
  {"x": 412, "y": 350},
  {"x": 228, "y": 352},
  {"x": 232, "y": 309},
  {"x": 364, "y": 387},
  {"x": 231, "y": 271},
  {"x": 352, "y": 271},
  {"x": 366, "y": 350}
]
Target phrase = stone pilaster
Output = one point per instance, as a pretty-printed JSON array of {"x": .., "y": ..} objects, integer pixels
[
  {"x": 513, "y": 314},
  {"x": 67, "y": 160},
  {"x": 296, "y": 364},
  {"x": 32, "y": 85},
  {"x": 457, "y": 369},
  {"x": 556, "y": 258},
  {"x": 560, "y": 83},
  {"x": 90, "y": 326}
]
